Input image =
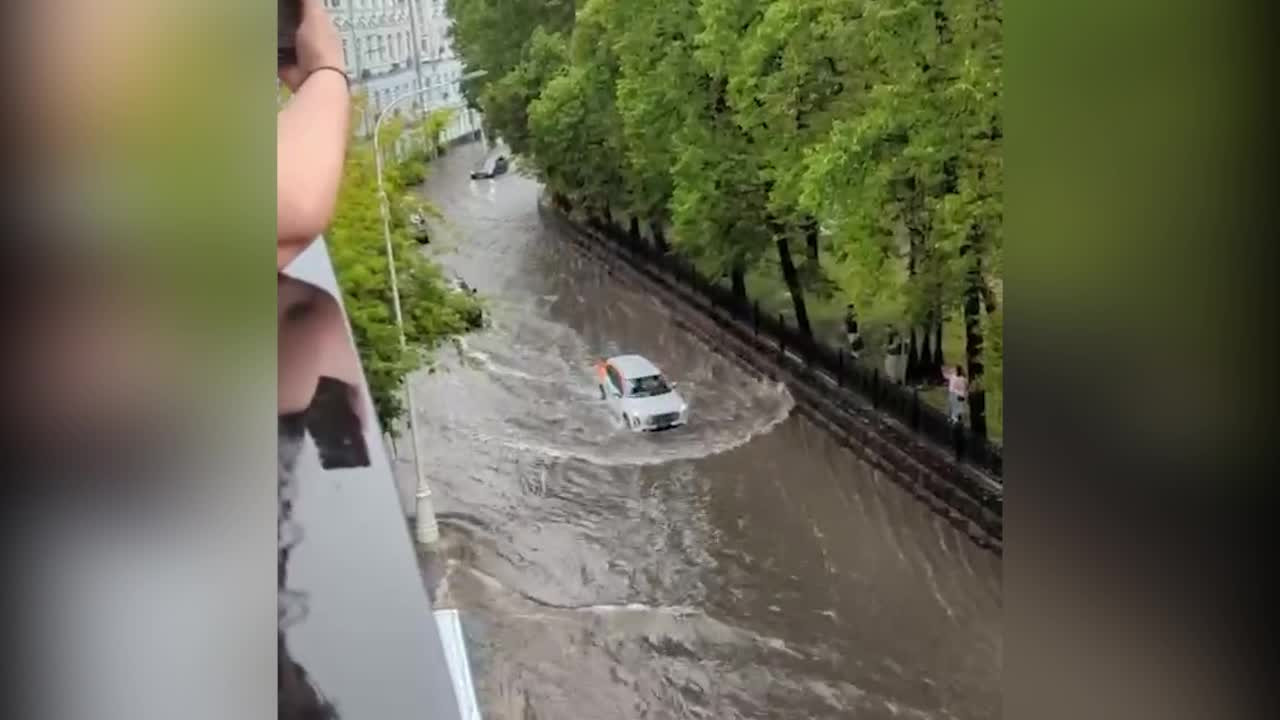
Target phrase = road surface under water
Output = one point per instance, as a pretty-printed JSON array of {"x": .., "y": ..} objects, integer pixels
[{"x": 746, "y": 566}]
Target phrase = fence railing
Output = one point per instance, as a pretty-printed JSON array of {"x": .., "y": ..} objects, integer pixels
[{"x": 899, "y": 402}]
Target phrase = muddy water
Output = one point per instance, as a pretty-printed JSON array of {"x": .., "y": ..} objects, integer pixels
[{"x": 745, "y": 566}]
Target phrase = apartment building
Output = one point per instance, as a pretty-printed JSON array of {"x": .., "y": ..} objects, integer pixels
[{"x": 396, "y": 47}]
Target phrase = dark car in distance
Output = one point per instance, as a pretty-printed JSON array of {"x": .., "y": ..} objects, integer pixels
[{"x": 490, "y": 168}]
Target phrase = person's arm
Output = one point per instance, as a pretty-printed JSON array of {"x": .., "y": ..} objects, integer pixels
[{"x": 311, "y": 134}]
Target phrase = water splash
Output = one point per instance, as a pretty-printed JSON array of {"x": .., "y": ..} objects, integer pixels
[{"x": 645, "y": 454}]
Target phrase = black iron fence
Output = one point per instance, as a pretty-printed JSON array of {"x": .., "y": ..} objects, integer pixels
[{"x": 762, "y": 328}]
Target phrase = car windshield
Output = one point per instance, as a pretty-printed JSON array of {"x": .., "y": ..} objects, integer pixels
[{"x": 649, "y": 386}]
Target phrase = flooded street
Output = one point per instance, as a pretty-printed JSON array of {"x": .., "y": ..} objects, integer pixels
[{"x": 744, "y": 566}]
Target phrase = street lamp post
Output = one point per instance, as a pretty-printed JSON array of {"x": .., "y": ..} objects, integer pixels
[{"x": 427, "y": 531}]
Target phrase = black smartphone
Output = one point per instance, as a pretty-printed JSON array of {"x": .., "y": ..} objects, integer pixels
[{"x": 290, "y": 16}]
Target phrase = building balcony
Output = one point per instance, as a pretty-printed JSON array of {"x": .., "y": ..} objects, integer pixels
[{"x": 364, "y": 633}]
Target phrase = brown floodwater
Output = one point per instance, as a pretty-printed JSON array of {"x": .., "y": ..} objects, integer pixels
[{"x": 745, "y": 566}]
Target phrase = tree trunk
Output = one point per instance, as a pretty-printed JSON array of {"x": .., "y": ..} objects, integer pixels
[
  {"x": 792, "y": 278},
  {"x": 988, "y": 295},
  {"x": 738, "y": 277},
  {"x": 975, "y": 287},
  {"x": 937, "y": 346},
  {"x": 634, "y": 230},
  {"x": 927, "y": 374},
  {"x": 811, "y": 242},
  {"x": 931, "y": 350},
  {"x": 915, "y": 372},
  {"x": 659, "y": 240},
  {"x": 912, "y": 374}
]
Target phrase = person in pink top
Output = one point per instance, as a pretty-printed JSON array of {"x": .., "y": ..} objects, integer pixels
[{"x": 957, "y": 392}]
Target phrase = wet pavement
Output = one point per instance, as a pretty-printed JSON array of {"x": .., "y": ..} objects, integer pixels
[{"x": 745, "y": 566}]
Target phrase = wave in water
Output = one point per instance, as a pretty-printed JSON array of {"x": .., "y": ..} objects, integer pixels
[
  {"x": 485, "y": 361},
  {"x": 641, "y": 454}
]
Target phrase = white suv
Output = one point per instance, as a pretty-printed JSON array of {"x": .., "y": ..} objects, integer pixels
[{"x": 635, "y": 389}]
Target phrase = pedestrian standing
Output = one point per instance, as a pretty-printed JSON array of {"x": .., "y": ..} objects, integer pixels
[
  {"x": 958, "y": 393},
  {"x": 893, "y": 357},
  {"x": 852, "y": 335}
]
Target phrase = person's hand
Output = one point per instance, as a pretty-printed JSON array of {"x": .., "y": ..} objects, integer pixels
[{"x": 318, "y": 45}]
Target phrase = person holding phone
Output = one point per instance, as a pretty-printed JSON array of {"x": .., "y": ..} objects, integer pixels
[{"x": 311, "y": 130}]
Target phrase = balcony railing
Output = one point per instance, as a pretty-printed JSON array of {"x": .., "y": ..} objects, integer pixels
[{"x": 356, "y": 621}]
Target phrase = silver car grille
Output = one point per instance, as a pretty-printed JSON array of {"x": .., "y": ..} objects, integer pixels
[{"x": 664, "y": 419}]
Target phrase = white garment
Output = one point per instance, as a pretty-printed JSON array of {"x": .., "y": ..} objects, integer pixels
[
  {"x": 958, "y": 390},
  {"x": 895, "y": 367}
]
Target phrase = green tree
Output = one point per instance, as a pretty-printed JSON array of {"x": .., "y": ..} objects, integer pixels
[
  {"x": 432, "y": 311},
  {"x": 656, "y": 85},
  {"x": 576, "y": 133},
  {"x": 506, "y": 101},
  {"x": 736, "y": 64},
  {"x": 912, "y": 176},
  {"x": 519, "y": 43}
]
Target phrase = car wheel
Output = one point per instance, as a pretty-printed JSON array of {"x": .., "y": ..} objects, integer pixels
[{"x": 626, "y": 421}]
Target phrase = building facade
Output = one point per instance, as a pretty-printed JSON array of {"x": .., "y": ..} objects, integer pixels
[{"x": 395, "y": 47}]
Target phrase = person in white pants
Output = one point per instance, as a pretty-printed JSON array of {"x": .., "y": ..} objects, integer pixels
[
  {"x": 894, "y": 360},
  {"x": 958, "y": 392}
]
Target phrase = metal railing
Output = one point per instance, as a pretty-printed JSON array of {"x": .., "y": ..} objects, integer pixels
[{"x": 357, "y": 623}]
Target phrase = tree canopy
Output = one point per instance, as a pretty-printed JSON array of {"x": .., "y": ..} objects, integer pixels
[{"x": 868, "y": 131}]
